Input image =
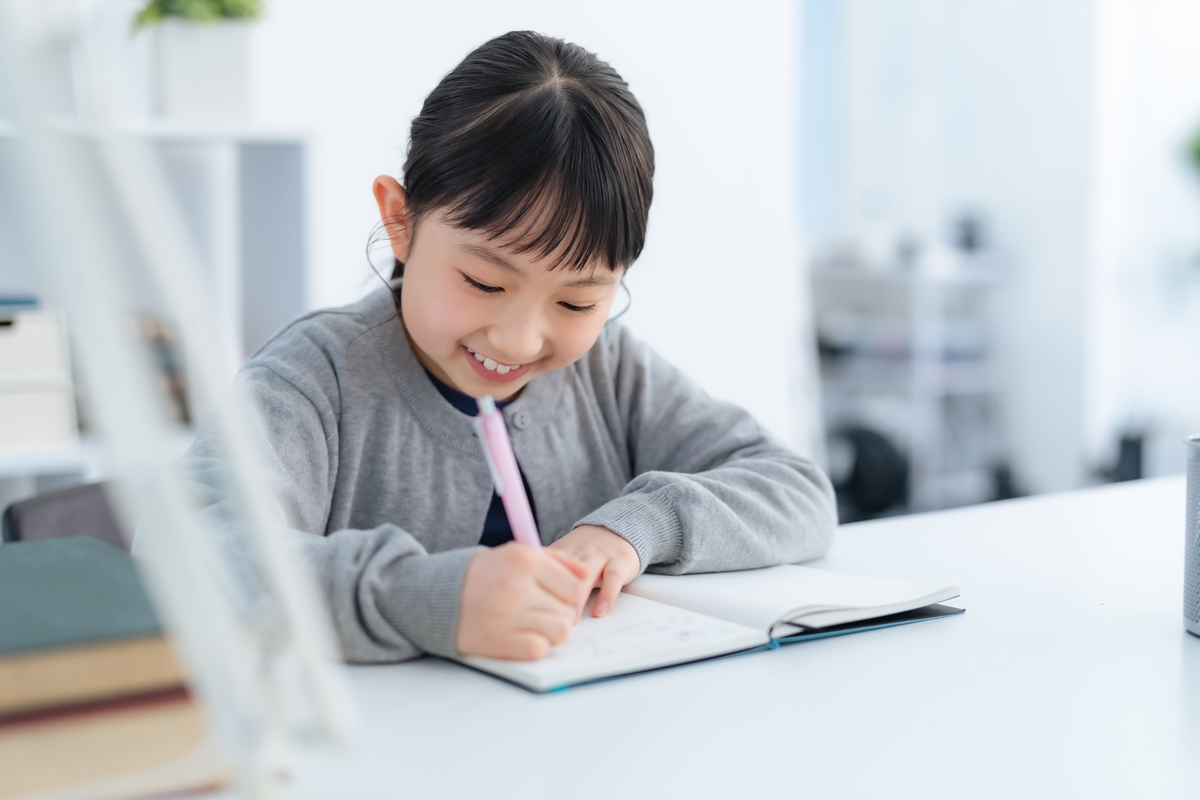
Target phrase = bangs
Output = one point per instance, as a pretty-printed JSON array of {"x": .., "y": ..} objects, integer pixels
[{"x": 556, "y": 163}]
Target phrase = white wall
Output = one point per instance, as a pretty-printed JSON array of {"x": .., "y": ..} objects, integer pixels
[
  {"x": 1018, "y": 126},
  {"x": 717, "y": 290},
  {"x": 1144, "y": 323}
]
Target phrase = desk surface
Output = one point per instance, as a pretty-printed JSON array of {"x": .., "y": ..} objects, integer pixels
[{"x": 1070, "y": 675}]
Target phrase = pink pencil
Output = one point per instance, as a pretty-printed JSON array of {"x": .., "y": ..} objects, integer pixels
[{"x": 493, "y": 435}]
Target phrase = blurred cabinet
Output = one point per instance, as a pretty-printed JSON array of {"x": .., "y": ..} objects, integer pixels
[
  {"x": 244, "y": 195},
  {"x": 37, "y": 399},
  {"x": 909, "y": 355}
]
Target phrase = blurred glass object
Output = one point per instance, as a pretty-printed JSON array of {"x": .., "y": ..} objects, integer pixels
[{"x": 91, "y": 191}]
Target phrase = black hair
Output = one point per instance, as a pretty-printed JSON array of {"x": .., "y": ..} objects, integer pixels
[{"x": 536, "y": 137}]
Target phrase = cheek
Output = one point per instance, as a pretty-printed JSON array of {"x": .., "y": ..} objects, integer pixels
[
  {"x": 435, "y": 312},
  {"x": 574, "y": 339}
]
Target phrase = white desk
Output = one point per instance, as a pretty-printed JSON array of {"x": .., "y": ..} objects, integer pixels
[{"x": 1069, "y": 676}]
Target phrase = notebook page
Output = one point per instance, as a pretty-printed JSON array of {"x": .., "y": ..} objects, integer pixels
[
  {"x": 759, "y": 598},
  {"x": 638, "y": 634}
]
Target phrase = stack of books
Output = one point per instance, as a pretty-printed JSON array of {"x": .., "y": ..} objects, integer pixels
[
  {"x": 37, "y": 398},
  {"x": 93, "y": 701}
]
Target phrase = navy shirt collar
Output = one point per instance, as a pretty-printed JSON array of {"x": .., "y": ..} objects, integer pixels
[{"x": 463, "y": 402}]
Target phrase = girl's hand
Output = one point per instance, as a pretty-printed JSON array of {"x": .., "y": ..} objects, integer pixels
[
  {"x": 518, "y": 602},
  {"x": 611, "y": 562}
]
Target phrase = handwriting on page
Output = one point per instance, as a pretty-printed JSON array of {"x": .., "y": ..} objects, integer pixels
[{"x": 620, "y": 635}]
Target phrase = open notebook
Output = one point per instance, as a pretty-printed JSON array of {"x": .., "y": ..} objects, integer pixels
[{"x": 663, "y": 620}]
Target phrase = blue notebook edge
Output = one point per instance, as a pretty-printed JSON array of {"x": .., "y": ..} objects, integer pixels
[{"x": 923, "y": 614}]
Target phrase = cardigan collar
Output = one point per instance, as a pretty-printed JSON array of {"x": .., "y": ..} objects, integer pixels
[{"x": 432, "y": 411}]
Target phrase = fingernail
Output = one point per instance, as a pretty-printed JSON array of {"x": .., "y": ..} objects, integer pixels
[{"x": 600, "y": 609}]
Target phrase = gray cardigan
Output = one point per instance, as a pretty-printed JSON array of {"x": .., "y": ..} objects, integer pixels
[{"x": 387, "y": 488}]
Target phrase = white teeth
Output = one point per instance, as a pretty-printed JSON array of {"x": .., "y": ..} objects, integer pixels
[{"x": 493, "y": 365}]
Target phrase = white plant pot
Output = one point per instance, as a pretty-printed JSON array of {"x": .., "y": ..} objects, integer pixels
[{"x": 202, "y": 70}]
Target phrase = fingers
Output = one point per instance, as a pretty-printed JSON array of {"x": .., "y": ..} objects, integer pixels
[
  {"x": 535, "y": 632},
  {"x": 581, "y": 570},
  {"x": 589, "y": 568},
  {"x": 517, "y": 602},
  {"x": 565, "y": 578},
  {"x": 529, "y": 633},
  {"x": 522, "y": 646},
  {"x": 553, "y": 627},
  {"x": 543, "y": 602},
  {"x": 610, "y": 586}
]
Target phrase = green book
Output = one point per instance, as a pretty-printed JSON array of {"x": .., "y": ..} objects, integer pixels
[{"x": 76, "y": 626}]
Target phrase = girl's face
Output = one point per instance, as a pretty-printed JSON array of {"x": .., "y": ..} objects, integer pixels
[{"x": 483, "y": 319}]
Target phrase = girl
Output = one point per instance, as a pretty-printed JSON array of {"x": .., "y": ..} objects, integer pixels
[{"x": 526, "y": 192}]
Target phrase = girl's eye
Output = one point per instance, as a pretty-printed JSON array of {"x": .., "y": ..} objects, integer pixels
[{"x": 483, "y": 287}]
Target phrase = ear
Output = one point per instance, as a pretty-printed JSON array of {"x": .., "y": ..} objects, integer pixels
[{"x": 393, "y": 210}]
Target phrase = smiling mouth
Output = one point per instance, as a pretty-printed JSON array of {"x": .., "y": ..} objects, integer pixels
[
  {"x": 492, "y": 370},
  {"x": 492, "y": 365}
]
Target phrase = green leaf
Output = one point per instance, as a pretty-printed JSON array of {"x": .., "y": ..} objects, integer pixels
[{"x": 197, "y": 11}]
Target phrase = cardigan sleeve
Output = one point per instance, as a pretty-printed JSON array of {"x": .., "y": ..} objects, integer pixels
[
  {"x": 388, "y": 597},
  {"x": 712, "y": 490}
]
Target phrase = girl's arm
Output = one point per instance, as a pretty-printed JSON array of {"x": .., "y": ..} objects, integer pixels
[
  {"x": 389, "y": 598},
  {"x": 712, "y": 491}
]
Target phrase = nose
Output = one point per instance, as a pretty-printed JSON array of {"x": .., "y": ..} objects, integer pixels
[{"x": 518, "y": 336}]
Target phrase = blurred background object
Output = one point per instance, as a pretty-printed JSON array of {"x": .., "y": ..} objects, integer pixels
[
  {"x": 908, "y": 370},
  {"x": 1023, "y": 174},
  {"x": 280, "y": 204},
  {"x": 37, "y": 401},
  {"x": 147, "y": 279},
  {"x": 201, "y": 57},
  {"x": 970, "y": 229},
  {"x": 160, "y": 340},
  {"x": 78, "y": 511},
  {"x": 243, "y": 188}
]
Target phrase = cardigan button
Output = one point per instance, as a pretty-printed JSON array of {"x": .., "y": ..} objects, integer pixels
[{"x": 522, "y": 420}]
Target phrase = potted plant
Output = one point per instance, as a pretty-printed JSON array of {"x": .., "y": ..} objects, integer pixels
[{"x": 201, "y": 57}]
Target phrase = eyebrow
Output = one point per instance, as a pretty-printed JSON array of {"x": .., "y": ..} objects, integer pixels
[
  {"x": 492, "y": 257},
  {"x": 591, "y": 280}
]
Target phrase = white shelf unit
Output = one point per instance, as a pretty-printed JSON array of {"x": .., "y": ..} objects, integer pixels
[
  {"x": 243, "y": 192},
  {"x": 910, "y": 355}
]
